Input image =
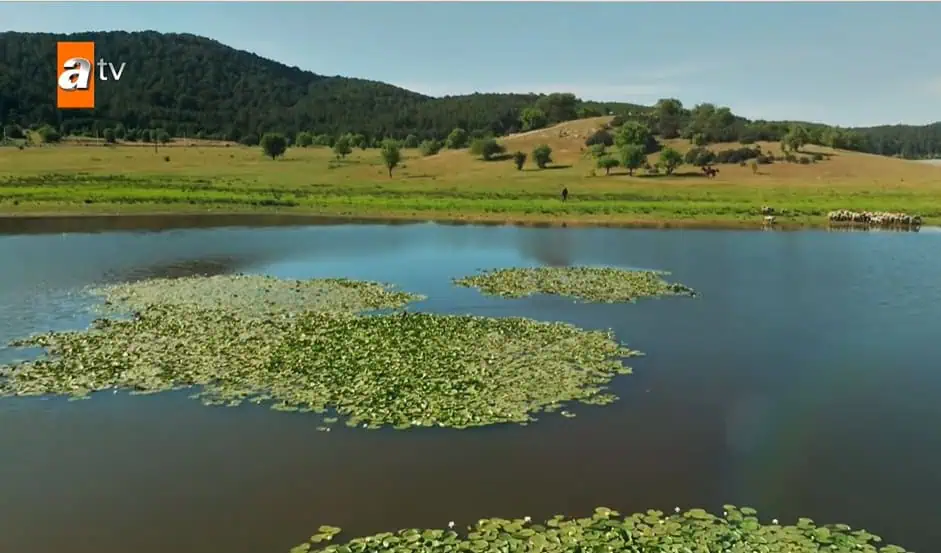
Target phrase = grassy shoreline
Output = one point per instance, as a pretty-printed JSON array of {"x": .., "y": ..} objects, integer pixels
[
  {"x": 454, "y": 186},
  {"x": 51, "y": 210}
]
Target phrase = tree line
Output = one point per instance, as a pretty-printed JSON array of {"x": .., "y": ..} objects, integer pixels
[{"x": 186, "y": 85}]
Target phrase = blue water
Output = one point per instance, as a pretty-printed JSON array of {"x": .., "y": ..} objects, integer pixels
[{"x": 803, "y": 381}]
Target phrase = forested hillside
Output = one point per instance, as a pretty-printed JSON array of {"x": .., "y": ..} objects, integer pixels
[{"x": 194, "y": 86}]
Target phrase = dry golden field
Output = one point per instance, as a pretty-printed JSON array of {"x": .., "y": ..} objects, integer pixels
[{"x": 197, "y": 176}]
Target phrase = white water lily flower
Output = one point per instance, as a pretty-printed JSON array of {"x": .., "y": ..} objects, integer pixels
[
  {"x": 451, "y": 524},
  {"x": 527, "y": 519},
  {"x": 677, "y": 509},
  {"x": 774, "y": 521}
]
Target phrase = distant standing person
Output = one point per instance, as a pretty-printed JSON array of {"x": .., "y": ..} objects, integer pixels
[{"x": 565, "y": 194}]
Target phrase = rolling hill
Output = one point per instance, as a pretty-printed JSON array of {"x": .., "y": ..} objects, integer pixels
[{"x": 193, "y": 85}]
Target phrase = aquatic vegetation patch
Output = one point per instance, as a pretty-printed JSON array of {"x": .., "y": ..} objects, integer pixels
[
  {"x": 401, "y": 370},
  {"x": 593, "y": 284},
  {"x": 255, "y": 295},
  {"x": 696, "y": 530}
]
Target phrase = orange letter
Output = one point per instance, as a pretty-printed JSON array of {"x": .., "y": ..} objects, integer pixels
[{"x": 75, "y": 79}]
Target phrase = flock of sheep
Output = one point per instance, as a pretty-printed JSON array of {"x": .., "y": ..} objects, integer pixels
[
  {"x": 868, "y": 218},
  {"x": 875, "y": 218}
]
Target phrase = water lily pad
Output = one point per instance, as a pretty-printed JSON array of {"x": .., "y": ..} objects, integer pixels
[
  {"x": 376, "y": 370},
  {"x": 253, "y": 295},
  {"x": 607, "y": 531},
  {"x": 592, "y": 284}
]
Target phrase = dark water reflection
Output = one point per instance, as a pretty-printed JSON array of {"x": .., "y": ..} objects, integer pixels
[{"x": 803, "y": 382}]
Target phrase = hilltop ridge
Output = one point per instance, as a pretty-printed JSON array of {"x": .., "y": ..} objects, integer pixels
[{"x": 196, "y": 86}]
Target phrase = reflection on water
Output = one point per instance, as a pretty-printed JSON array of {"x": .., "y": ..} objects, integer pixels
[
  {"x": 182, "y": 268},
  {"x": 863, "y": 228},
  {"x": 155, "y": 223},
  {"x": 554, "y": 248},
  {"x": 803, "y": 381}
]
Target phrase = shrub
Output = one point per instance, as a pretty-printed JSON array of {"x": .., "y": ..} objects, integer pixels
[
  {"x": 457, "y": 139},
  {"x": 600, "y": 137},
  {"x": 486, "y": 148},
  {"x": 700, "y": 157},
  {"x": 736, "y": 155},
  {"x": 49, "y": 134},
  {"x": 358, "y": 140},
  {"x": 304, "y": 139},
  {"x": 542, "y": 155},
  {"x": 342, "y": 147},
  {"x": 585, "y": 112},
  {"x": 430, "y": 147},
  {"x": 519, "y": 159}
]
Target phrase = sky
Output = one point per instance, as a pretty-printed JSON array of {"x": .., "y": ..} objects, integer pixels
[{"x": 851, "y": 64}]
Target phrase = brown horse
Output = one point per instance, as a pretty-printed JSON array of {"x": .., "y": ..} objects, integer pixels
[{"x": 710, "y": 172}]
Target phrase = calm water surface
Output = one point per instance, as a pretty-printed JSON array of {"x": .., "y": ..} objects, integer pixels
[{"x": 804, "y": 381}]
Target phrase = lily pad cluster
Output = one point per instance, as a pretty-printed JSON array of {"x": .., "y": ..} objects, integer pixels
[
  {"x": 592, "y": 284},
  {"x": 737, "y": 530},
  {"x": 254, "y": 295},
  {"x": 410, "y": 369}
]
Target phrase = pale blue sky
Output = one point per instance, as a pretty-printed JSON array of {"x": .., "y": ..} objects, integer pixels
[{"x": 847, "y": 64}]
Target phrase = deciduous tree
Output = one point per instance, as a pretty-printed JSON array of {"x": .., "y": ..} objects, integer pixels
[
  {"x": 274, "y": 144},
  {"x": 607, "y": 163},
  {"x": 633, "y": 157},
  {"x": 342, "y": 147},
  {"x": 670, "y": 159},
  {"x": 391, "y": 154}
]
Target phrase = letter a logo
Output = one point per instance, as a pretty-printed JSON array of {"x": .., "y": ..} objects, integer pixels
[{"x": 75, "y": 76}]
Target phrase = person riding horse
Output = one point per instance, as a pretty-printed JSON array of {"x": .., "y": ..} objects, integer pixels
[{"x": 710, "y": 171}]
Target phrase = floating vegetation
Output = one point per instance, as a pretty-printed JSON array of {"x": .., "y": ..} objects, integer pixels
[
  {"x": 593, "y": 284},
  {"x": 402, "y": 370},
  {"x": 254, "y": 295},
  {"x": 606, "y": 530}
]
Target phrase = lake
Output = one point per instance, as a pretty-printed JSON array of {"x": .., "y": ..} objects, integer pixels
[{"x": 803, "y": 381}]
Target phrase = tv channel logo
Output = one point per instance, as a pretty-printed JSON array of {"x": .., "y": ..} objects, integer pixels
[{"x": 75, "y": 75}]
